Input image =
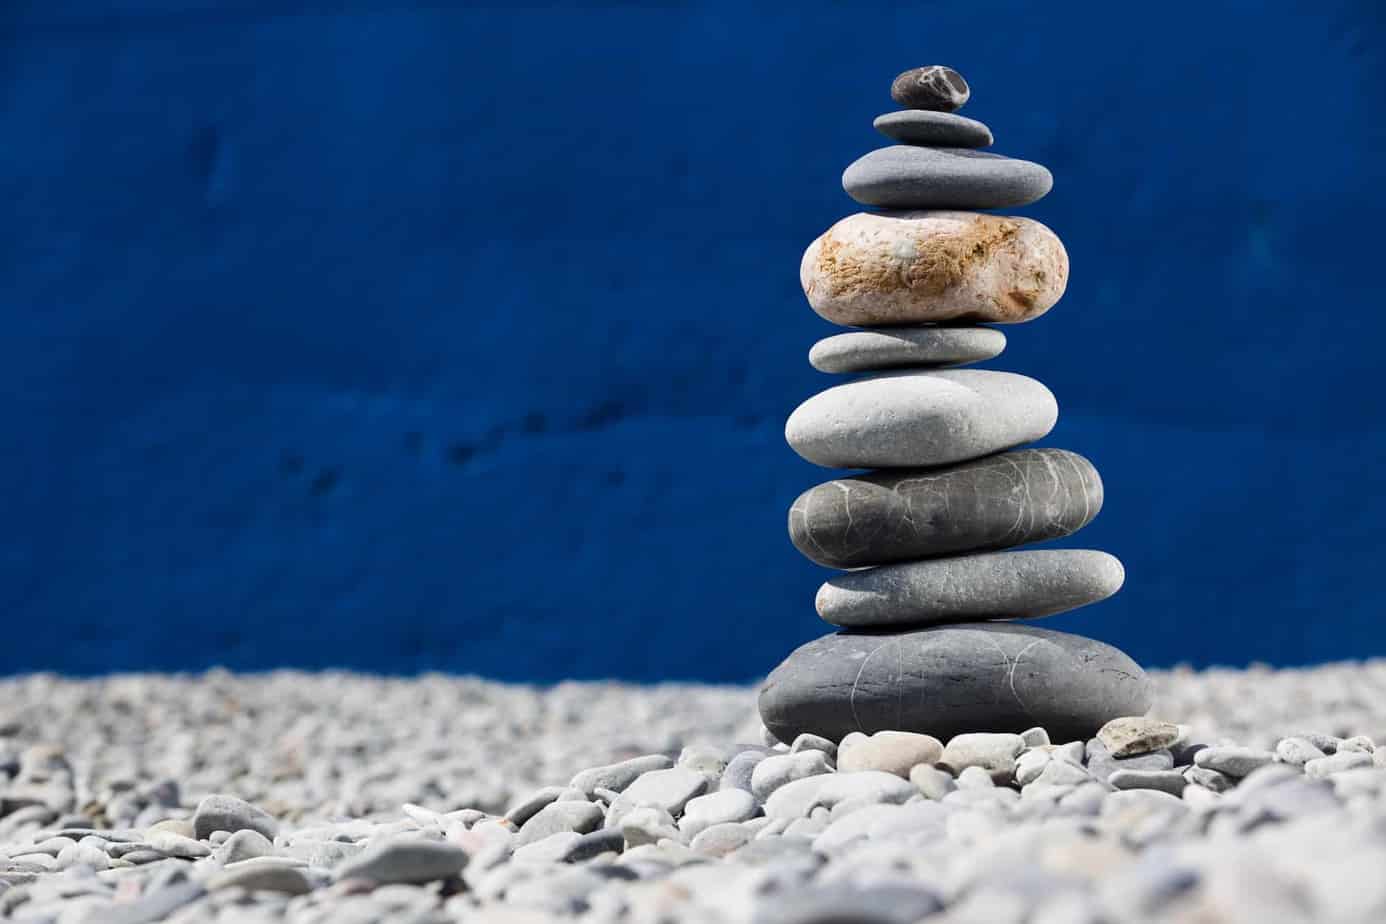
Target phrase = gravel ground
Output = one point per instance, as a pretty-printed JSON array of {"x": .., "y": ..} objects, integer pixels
[{"x": 349, "y": 798}]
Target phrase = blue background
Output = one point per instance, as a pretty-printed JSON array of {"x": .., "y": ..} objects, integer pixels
[{"x": 405, "y": 335}]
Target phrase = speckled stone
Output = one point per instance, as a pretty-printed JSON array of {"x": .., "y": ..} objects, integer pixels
[
  {"x": 994, "y": 585},
  {"x": 998, "y": 677},
  {"x": 1004, "y": 500},
  {"x": 905, "y": 176},
  {"x": 933, "y": 87},
  {"x": 902, "y": 347},
  {"x": 933, "y": 129},
  {"x": 875, "y": 269},
  {"x": 911, "y": 419}
]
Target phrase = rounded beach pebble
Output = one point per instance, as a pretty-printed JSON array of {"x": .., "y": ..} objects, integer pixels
[
  {"x": 934, "y": 129},
  {"x": 890, "y": 348},
  {"x": 944, "y": 681},
  {"x": 906, "y": 176},
  {"x": 912, "y": 419},
  {"x": 934, "y": 87},
  {"x": 995, "y": 585},
  {"x": 876, "y": 269},
  {"x": 1003, "y": 500}
]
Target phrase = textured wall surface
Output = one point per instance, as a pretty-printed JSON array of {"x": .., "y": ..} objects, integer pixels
[{"x": 405, "y": 335}]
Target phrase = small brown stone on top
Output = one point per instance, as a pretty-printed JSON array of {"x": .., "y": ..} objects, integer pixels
[{"x": 936, "y": 88}]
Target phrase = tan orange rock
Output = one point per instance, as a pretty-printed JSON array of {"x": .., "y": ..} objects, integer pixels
[{"x": 911, "y": 267}]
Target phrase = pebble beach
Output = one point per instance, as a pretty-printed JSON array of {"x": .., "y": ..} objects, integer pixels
[{"x": 1247, "y": 795}]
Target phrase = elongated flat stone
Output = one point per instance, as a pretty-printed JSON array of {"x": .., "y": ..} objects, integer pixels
[
  {"x": 891, "y": 268},
  {"x": 911, "y": 419},
  {"x": 1003, "y": 500},
  {"x": 935, "y": 129},
  {"x": 903, "y": 347},
  {"x": 943, "y": 681},
  {"x": 993, "y": 585},
  {"x": 905, "y": 176}
]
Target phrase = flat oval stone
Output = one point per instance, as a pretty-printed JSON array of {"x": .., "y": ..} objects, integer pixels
[
  {"x": 993, "y": 585},
  {"x": 932, "y": 87},
  {"x": 917, "y": 267},
  {"x": 933, "y": 129},
  {"x": 1003, "y": 500},
  {"x": 896, "y": 347},
  {"x": 905, "y": 176},
  {"x": 947, "y": 680},
  {"x": 908, "y": 419}
]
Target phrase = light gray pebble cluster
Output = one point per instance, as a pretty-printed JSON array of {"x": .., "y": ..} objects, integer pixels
[{"x": 350, "y": 799}]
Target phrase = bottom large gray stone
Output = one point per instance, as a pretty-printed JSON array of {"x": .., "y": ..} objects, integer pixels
[{"x": 943, "y": 681}]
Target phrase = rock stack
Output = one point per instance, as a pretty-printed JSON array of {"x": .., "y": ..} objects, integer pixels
[{"x": 926, "y": 642}]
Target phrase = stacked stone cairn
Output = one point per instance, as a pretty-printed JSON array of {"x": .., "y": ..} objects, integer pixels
[{"x": 928, "y": 598}]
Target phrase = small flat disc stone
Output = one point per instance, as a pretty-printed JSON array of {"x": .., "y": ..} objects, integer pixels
[
  {"x": 933, "y": 129},
  {"x": 904, "y": 347},
  {"x": 903, "y": 176}
]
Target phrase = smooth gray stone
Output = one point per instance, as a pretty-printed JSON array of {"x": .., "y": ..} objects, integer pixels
[
  {"x": 915, "y": 419},
  {"x": 1102, "y": 764},
  {"x": 582, "y": 817},
  {"x": 595, "y": 843},
  {"x": 262, "y": 878},
  {"x": 407, "y": 861},
  {"x": 933, "y": 129},
  {"x": 902, "y": 347},
  {"x": 904, "y": 176},
  {"x": 220, "y": 812},
  {"x": 933, "y": 87},
  {"x": 993, "y": 585},
  {"x": 944, "y": 681},
  {"x": 843, "y": 903},
  {"x": 617, "y": 777},
  {"x": 1003, "y": 500},
  {"x": 155, "y": 905}
]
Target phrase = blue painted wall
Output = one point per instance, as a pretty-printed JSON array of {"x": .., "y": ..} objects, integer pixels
[{"x": 404, "y": 335}]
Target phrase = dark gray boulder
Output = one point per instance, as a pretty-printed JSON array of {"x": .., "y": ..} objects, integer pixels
[
  {"x": 943, "y": 681},
  {"x": 995, "y": 502}
]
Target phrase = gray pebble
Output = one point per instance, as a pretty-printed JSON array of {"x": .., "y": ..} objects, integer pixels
[
  {"x": 404, "y": 861},
  {"x": 1003, "y": 500},
  {"x": 993, "y": 752},
  {"x": 1202, "y": 776},
  {"x": 1233, "y": 761},
  {"x": 1102, "y": 765},
  {"x": 617, "y": 777},
  {"x": 262, "y": 878},
  {"x": 581, "y": 817},
  {"x": 991, "y": 585},
  {"x": 907, "y": 177},
  {"x": 740, "y": 770},
  {"x": 933, "y": 87},
  {"x": 905, "y": 419},
  {"x": 721, "y": 839},
  {"x": 723, "y": 807},
  {"x": 997, "y": 676},
  {"x": 933, "y": 129},
  {"x": 810, "y": 742},
  {"x": 905, "y": 347},
  {"x": 1336, "y": 763},
  {"x": 594, "y": 844},
  {"x": 243, "y": 845},
  {"x": 1170, "y": 781},
  {"x": 221, "y": 812},
  {"x": 932, "y": 782},
  {"x": 1296, "y": 751},
  {"x": 773, "y": 772},
  {"x": 525, "y": 808}
]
